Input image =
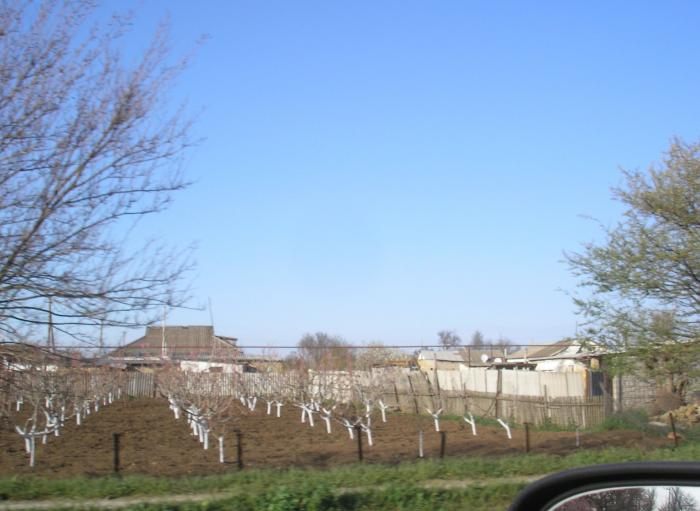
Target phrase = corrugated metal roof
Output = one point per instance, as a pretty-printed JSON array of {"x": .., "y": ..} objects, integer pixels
[
  {"x": 474, "y": 355},
  {"x": 549, "y": 351},
  {"x": 27, "y": 352},
  {"x": 195, "y": 342},
  {"x": 442, "y": 356}
]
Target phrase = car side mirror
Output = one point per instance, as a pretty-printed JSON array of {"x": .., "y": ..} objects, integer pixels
[{"x": 649, "y": 486}]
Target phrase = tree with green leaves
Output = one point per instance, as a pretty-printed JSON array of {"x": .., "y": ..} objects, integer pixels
[{"x": 643, "y": 278}]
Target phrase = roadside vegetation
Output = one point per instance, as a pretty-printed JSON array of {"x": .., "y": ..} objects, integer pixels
[{"x": 460, "y": 482}]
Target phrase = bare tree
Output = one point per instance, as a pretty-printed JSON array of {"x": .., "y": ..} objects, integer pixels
[
  {"x": 377, "y": 353},
  {"x": 323, "y": 351},
  {"x": 678, "y": 500},
  {"x": 614, "y": 499},
  {"x": 478, "y": 339},
  {"x": 87, "y": 147},
  {"x": 448, "y": 339}
]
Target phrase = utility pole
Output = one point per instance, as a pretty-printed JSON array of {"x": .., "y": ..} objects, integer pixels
[
  {"x": 211, "y": 314},
  {"x": 102, "y": 342},
  {"x": 50, "y": 341},
  {"x": 162, "y": 344}
]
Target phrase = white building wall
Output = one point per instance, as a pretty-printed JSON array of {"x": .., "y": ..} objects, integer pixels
[
  {"x": 514, "y": 382},
  {"x": 560, "y": 365},
  {"x": 199, "y": 366}
]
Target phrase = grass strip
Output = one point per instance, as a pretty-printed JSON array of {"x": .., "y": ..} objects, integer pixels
[
  {"x": 258, "y": 481},
  {"x": 323, "y": 498}
]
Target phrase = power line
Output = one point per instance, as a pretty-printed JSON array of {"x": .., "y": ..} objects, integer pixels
[{"x": 347, "y": 347}]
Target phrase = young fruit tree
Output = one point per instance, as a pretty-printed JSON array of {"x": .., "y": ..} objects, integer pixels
[
  {"x": 45, "y": 395},
  {"x": 205, "y": 402},
  {"x": 88, "y": 146},
  {"x": 642, "y": 281}
]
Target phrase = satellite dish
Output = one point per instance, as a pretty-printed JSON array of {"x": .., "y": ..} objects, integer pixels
[{"x": 484, "y": 358}]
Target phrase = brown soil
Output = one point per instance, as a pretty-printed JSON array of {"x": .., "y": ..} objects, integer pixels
[{"x": 153, "y": 442}]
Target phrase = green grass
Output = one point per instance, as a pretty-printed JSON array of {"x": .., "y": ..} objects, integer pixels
[
  {"x": 482, "y": 421},
  {"x": 632, "y": 419},
  {"x": 322, "y": 498},
  {"x": 361, "y": 477},
  {"x": 546, "y": 426}
]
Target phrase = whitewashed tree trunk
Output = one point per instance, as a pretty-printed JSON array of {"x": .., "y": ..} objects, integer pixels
[
  {"x": 383, "y": 408},
  {"x": 32, "y": 451},
  {"x": 436, "y": 417},
  {"x": 350, "y": 428},
  {"x": 506, "y": 427},
  {"x": 471, "y": 422},
  {"x": 368, "y": 430}
]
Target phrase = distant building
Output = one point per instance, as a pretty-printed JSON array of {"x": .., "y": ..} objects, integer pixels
[
  {"x": 191, "y": 348},
  {"x": 483, "y": 356},
  {"x": 22, "y": 356},
  {"x": 395, "y": 367},
  {"x": 431, "y": 360},
  {"x": 569, "y": 355}
]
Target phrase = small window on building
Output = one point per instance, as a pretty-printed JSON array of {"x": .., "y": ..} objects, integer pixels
[{"x": 216, "y": 369}]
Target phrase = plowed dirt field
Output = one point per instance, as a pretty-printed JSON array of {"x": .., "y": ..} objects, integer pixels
[{"x": 153, "y": 442}]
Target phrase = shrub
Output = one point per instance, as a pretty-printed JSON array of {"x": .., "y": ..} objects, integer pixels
[{"x": 631, "y": 419}]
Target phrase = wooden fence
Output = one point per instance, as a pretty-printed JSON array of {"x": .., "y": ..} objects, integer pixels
[
  {"x": 140, "y": 384},
  {"x": 414, "y": 392}
]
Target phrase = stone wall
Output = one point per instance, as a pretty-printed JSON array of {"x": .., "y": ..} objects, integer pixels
[
  {"x": 632, "y": 391},
  {"x": 640, "y": 392}
]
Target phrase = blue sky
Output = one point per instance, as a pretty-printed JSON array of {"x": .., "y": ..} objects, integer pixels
[{"x": 385, "y": 170}]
